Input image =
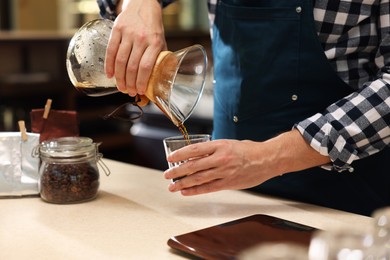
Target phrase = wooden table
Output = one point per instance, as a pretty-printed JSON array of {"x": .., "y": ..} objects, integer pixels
[{"x": 133, "y": 217}]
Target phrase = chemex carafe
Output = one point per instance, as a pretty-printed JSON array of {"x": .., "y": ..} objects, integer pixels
[{"x": 175, "y": 85}]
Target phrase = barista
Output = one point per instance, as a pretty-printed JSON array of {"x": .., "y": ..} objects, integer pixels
[{"x": 301, "y": 104}]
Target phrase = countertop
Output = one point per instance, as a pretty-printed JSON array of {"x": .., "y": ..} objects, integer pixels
[{"x": 134, "y": 215}]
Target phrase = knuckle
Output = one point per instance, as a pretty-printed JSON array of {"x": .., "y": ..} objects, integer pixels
[
  {"x": 110, "y": 49},
  {"x": 158, "y": 40},
  {"x": 194, "y": 148},
  {"x": 141, "y": 37},
  {"x": 131, "y": 68},
  {"x": 223, "y": 143},
  {"x": 147, "y": 65},
  {"x": 191, "y": 166},
  {"x": 121, "y": 61},
  {"x": 172, "y": 172},
  {"x": 179, "y": 184},
  {"x": 198, "y": 179},
  {"x": 116, "y": 29},
  {"x": 223, "y": 160}
]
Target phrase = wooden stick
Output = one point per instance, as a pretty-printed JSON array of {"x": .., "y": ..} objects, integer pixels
[
  {"x": 22, "y": 129},
  {"x": 47, "y": 108}
]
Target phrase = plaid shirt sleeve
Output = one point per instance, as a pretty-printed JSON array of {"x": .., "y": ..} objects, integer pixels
[
  {"x": 108, "y": 7},
  {"x": 359, "y": 124}
]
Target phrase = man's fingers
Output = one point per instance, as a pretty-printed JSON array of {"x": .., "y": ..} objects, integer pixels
[{"x": 111, "y": 52}]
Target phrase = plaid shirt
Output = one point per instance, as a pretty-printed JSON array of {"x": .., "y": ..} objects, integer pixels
[{"x": 355, "y": 35}]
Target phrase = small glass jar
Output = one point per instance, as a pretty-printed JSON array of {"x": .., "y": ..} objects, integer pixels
[{"x": 69, "y": 171}]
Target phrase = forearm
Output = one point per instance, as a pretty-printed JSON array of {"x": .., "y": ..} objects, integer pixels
[{"x": 290, "y": 153}]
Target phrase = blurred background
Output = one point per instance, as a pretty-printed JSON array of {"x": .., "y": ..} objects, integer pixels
[
  {"x": 62, "y": 15},
  {"x": 34, "y": 36}
]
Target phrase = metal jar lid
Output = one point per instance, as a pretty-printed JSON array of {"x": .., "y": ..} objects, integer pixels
[{"x": 68, "y": 148}]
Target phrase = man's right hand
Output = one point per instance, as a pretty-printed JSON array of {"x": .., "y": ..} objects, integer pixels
[{"x": 136, "y": 40}]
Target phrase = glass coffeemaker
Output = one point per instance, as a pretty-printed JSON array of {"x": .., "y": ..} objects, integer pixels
[{"x": 175, "y": 85}]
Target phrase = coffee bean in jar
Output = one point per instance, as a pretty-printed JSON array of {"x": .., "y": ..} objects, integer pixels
[{"x": 69, "y": 172}]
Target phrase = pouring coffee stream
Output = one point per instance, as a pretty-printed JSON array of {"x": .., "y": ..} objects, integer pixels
[{"x": 175, "y": 85}]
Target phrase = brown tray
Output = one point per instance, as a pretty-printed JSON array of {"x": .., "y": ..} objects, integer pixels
[{"x": 227, "y": 240}]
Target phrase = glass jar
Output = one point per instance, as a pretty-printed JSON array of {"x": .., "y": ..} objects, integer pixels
[{"x": 69, "y": 171}]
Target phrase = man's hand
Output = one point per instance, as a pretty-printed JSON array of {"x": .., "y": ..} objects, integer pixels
[
  {"x": 136, "y": 40},
  {"x": 231, "y": 164}
]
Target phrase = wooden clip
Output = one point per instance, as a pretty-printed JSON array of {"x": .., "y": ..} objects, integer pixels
[
  {"x": 22, "y": 129},
  {"x": 47, "y": 109}
]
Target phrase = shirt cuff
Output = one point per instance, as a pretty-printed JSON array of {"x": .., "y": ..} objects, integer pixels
[{"x": 327, "y": 141}]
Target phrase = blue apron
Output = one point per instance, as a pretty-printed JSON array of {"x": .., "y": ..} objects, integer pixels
[{"x": 263, "y": 85}]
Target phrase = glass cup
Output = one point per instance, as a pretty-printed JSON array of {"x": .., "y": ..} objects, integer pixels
[
  {"x": 344, "y": 243},
  {"x": 275, "y": 251},
  {"x": 174, "y": 143},
  {"x": 381, "y": 218}
]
